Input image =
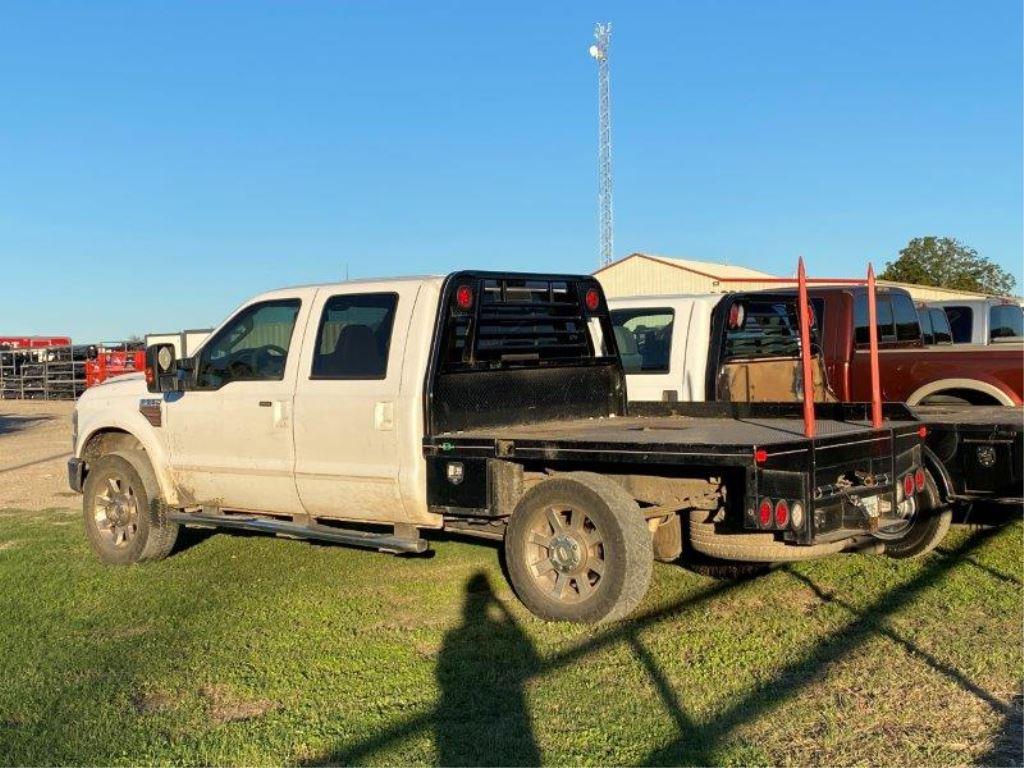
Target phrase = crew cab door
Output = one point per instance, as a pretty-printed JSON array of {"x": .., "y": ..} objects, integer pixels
[
  {"x": 348, "y": 426},
  {"x": 229, "y": 436}
]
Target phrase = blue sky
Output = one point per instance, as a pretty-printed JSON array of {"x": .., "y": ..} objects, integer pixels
[{"x": 161, "y": 161}]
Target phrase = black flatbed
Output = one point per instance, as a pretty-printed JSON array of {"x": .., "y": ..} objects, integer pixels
[
  {"x": 1003, "y": 415},
  {"x": 705, "y": 434},
  {"x": 980, "y": 449}
]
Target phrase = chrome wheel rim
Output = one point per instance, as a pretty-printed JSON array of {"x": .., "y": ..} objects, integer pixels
[
  {"x": 566, "y": 553},
  {"x": 116, "y": 511}
]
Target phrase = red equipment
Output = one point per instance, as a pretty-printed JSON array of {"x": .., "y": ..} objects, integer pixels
[
  {"x": 109, "y": 363},
  {"x": 33, "y": 342}
]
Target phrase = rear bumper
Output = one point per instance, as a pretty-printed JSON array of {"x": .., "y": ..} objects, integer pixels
[
  {"x": 76, "y": 474},
  {"x": 846, "y": 490}
]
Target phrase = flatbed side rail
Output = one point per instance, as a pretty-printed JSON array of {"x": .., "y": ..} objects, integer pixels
[{"x": 847, "y": 412}]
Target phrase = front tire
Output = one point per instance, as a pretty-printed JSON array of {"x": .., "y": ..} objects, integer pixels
[
  {"x": 578, "y": 549},
  {"x": 929, "y": 527},
  {"x": 125, "y": 519}
]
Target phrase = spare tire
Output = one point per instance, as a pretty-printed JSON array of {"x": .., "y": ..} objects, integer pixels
[{"x": 929, "y": 527}]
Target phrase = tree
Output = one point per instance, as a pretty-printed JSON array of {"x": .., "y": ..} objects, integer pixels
[{"x": 947, "y": 263}]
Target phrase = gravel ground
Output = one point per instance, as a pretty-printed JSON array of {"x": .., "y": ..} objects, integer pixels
[{"x": 35, "y": 442}]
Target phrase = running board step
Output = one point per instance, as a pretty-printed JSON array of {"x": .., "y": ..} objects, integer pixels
[{"x": 384, "y": 542}]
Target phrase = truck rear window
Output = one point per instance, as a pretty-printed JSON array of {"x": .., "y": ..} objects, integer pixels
[
  {"x": 644, "y": 338},
  {"x": 1006, "y": 321},
  {"x": 508, "y": 322},
  {"x": 767, "y": 328}
]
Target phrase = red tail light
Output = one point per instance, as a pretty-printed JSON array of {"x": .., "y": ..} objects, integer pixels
[
  {"x": 765, "y": 512},
  {"x": 908, "y": 485},
  {"x": 760, "y": 455},
  {"x": 464, "y": 297},
  {"x": 592, "y": 299},
  {"x": 781, "y": 513},
  {"x": 736, "y": 316},
  {"x": 919, "y": 480},
  {"x": 922, "y": 432},
  {"x": 150, "y": 376}
]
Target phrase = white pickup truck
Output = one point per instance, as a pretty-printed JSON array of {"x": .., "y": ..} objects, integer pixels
[
  {"x": 492, "y": 404},
  {"x": 983, "y": 321}
]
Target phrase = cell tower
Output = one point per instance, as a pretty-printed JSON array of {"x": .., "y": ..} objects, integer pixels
[{"x": 599, "y": 51}]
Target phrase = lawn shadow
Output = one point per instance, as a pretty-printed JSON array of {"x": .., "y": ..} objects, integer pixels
[
  {"x": 482, "y": 668},
  {"x": 471, "y": 674},
  {"x": 1008, "y": 746}
]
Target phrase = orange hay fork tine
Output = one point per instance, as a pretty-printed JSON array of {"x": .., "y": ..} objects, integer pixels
[
  {"x": 810, "y": 424},
  {"x": 876, "y": 386}
]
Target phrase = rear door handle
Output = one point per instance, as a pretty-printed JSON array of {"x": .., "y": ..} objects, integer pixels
[{"x": 265, "y": 403}]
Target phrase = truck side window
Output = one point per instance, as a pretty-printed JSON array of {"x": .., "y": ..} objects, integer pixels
[
  {"x": 940, "y": 326},
  {"x": 1005, "y": 321},
  {"x": 644, "y": 338},
  {"x": 355, "y": 337},
  {"x": 886, "y": 327},
  {"x": 961, "y": 319},
  {"x": 924, "y": 317},
  {"x": 907, "y": 327},
  {"x": 253, "y": 346}
]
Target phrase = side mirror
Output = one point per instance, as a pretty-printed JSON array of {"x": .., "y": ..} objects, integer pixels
[{"x": 161, "y": 372}]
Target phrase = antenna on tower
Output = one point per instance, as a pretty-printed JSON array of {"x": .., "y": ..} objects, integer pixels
[{"x": 599, "y": 51}]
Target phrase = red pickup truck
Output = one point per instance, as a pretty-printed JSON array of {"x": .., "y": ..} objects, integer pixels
[{"x": 911, "y": 372}]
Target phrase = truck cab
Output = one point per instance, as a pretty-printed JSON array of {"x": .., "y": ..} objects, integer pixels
[
  {"x": 253, "y": 434},
  {"x": 983, "y": 321}
]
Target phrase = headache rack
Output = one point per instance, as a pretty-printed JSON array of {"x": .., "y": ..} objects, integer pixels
[{"x": 499, "y": 321}]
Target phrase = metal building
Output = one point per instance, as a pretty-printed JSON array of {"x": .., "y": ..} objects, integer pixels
[{"x": 644, "y": 274}]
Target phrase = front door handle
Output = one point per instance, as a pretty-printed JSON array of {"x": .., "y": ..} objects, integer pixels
[
  {"x": 265, "y": 403},
  {"x": 384, "y": 416}
]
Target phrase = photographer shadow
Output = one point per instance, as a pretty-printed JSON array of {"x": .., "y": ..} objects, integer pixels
[{"x": 483, "y": 665}]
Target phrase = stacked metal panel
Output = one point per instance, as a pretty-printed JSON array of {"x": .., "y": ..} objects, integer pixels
[{"x": 42, "y": 373}]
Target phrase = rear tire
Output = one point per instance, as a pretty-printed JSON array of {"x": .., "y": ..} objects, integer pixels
[
  {"x": 578, "y": 549},
  {"x": 125, "y": 519},
  {"x": 928, "y": 529}
]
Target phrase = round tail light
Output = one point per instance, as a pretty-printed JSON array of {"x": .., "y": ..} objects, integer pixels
[
  {"x": 781, "y": 513},
  {"x": 765, "y": 512},
  {"x": 796, "y": 514},
  {"x": 592, "y": 299},
  {"x": 464, "y": 297},
  {"x": 919, "y": 480},
  {"x": 908, "y": 485},
  {"x": 736, "y": 316}
]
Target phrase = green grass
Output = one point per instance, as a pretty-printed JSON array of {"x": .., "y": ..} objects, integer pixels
[{"x": 251, "y": 650}]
